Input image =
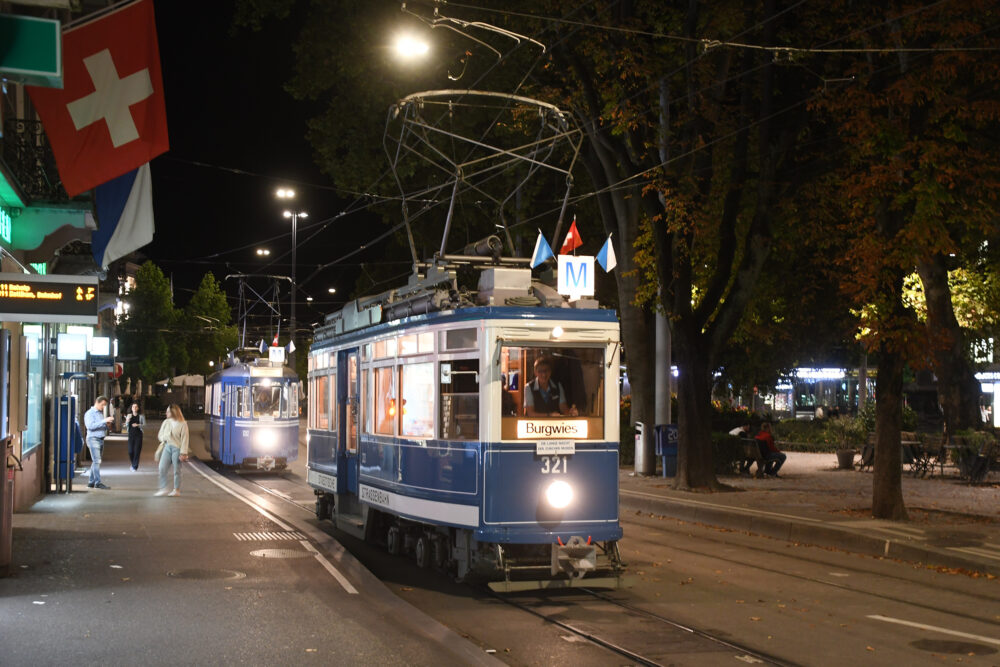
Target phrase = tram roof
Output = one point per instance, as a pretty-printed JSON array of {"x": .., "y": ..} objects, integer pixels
[
  {"x": 244, "y": 369},
  {"x": 473, "y": 314}
]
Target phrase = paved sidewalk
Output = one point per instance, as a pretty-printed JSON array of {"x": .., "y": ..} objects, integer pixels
[{"x": 952, "y": 524}]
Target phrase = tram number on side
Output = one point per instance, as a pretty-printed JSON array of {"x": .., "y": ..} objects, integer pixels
[{"x": 554, "y": 465}]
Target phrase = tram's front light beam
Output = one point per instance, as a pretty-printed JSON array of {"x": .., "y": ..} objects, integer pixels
[
  {"x": 559, "y": 494},
  {"x": 266, "y": 439}
]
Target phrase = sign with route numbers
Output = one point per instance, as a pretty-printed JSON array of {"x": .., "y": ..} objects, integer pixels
[{"x": 53, "y": 298}]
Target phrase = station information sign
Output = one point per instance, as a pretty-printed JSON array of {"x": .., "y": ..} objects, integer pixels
[{"x": 53, "y": 298}]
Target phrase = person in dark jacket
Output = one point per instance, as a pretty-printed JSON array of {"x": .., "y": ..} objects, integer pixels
[{"x": 134, "y": 423}]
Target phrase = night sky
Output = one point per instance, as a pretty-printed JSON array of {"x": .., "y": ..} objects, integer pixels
[{"x": 226, "y": 108}]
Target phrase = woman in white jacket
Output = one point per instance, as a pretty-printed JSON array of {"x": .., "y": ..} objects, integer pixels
[{"x": 173, "y": 437}]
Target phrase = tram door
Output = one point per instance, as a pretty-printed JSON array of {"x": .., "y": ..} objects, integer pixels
[
  {"x": 231, "y": 410},
  {"x": 350, "y": 425}
]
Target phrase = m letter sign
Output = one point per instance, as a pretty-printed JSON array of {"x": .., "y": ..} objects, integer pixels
[{"x": 576, "y": 276}]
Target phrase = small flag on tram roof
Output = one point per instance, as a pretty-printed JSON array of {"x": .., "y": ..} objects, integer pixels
[
  {"x": 262, "y": 347},
  {"x": 606, "y": 256},
  {"x": 290, "y": 347},
  {"x": 274, "y": 343},
  {"x": 572, "y": 240},
  {"x": 542, "y": 250}
]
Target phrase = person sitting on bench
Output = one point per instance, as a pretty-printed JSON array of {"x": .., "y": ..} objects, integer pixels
[{"x": 773, "y": 457}]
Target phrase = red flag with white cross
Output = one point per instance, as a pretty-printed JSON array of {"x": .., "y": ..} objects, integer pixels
[
  {"x": 572, "y": 240},
  {"x": 110, "y": 116}
]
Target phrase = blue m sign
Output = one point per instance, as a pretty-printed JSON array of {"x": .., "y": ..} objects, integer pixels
[{"x": 576, "y": 276}]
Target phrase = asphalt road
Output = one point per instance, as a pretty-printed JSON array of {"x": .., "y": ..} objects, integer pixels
[{"x": 703, "y": 596}]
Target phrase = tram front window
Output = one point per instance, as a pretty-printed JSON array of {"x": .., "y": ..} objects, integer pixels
[
  {"x": 563, "y": 386},
  {"x": 266, "y": 399}
]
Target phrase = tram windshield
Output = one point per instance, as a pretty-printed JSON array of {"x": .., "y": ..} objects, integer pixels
[
  {"x": 271, "y": 399},
  {"x": 562, "y": 387}
]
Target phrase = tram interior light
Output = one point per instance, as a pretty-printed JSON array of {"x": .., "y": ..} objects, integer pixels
[
  {"x": 559, "y": 494},
  {"x": 557, "y": 332}
]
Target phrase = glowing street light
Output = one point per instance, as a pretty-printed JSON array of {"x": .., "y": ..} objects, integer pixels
[
  {"x": 263, "y": 252},
  {"x": 288, "y": 193},
  {"x": 332, "y": 290},
  {"x": 410, "y": 47}
]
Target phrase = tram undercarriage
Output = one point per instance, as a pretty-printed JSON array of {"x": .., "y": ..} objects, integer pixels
[{"x": 502, "y": 567}]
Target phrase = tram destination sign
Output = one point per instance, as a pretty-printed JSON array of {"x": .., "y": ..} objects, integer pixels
[{"x": 52, "y": 298}]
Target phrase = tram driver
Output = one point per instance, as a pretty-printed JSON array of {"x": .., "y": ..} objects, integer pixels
[{"x": 543, "y": 396}]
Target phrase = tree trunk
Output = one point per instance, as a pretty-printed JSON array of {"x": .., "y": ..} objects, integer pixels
[
  {"x": 695, "y": 458},
  {"x": 887, "y": 486},
  {"x": 636, "y": 339},
  {"x": 958, "y": 388}
]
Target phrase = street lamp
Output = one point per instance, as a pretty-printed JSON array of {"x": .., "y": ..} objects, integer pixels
[
  {"x": 284, "y": 193},
  {"x": 263, "y": 252}
]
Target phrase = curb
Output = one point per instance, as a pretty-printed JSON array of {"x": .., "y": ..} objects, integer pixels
[{"x": 799, "y": 530}]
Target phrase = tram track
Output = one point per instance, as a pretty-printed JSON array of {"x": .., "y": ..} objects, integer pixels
[
  {"x": 624, "y": 648},
  {"x": 604, "y": 642},
  {"x": 916, "y": 602},
  {"x": 745, "y": 654}
]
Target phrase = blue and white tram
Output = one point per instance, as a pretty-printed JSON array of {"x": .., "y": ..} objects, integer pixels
[
  {"x": 426, "y": 432},
  {"x": 252, "y": 413}
]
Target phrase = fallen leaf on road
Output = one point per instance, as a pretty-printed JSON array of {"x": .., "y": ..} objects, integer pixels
[
  {"x": 755, "y": 618},
  {"x": 406, "y": 588},
  {"x": 869, "y": 648},
  {"x": 126, "y": 578},
  {"x": 311, "y": 650}
]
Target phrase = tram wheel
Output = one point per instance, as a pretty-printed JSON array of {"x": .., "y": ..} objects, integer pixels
[
  {"x": 422, "y": 552},
  {"x": 393, "y": 541},
  {"x": 439, "y": 553}
]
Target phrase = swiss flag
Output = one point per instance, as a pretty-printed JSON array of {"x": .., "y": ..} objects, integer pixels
[
  {"x": 274, "y": 343},
  {"x": 572, "y": 240},
  {"x": 110, "y": 116}
]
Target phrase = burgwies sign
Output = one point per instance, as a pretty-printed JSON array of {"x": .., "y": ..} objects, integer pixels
[{"x": 561, "y": 429}]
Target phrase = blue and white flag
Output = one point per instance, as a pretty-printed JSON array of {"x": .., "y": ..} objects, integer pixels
[
  {"x": 606, "y": 256},
  {"x": 542, "y": 251},
  {"x": 124, "y": 216}
]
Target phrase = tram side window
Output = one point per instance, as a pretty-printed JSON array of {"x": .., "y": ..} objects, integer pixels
[
  {"x": 386, "y": 410},
  {"x": 322, "y": 402},
  {"x": 417, "y": 400},
  {"x": 460, "y": 399}
]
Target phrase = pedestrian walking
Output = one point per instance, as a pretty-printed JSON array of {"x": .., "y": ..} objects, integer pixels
[
  {"x": 173, "y": 448},
  {"x": 97, "y": 430},
  {"x": 134, "y": 424}
]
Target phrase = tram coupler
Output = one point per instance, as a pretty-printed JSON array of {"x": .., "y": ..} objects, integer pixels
[{"x": 576, "y": 557}]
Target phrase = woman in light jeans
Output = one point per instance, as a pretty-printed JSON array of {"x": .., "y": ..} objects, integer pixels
[{"x": 174, "y": 436}]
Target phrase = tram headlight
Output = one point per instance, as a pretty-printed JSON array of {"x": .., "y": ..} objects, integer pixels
[
  {"x": 266, "y": 438},
  {"x": 559, "y": 494}
]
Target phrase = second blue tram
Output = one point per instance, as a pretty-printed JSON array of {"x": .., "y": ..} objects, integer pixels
[
  {"x": 427, "y": 433},
  {"x": 252, "y": 412}
]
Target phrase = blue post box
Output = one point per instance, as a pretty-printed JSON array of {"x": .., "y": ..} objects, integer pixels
[{"x": 666, "y": 448}]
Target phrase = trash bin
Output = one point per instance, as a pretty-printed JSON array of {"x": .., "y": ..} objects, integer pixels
[{"x": 666, "y": 448}]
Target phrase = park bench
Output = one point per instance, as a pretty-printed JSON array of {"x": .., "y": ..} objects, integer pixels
[{"x": 867, "y": 453}]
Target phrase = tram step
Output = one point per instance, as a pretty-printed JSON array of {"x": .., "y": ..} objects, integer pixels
[{"x": 353, "y": 524}]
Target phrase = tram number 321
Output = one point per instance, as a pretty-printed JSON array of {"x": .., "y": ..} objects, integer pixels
[{"x": 554, "y": 465}]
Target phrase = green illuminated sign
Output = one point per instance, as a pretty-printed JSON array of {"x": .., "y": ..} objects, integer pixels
[
  {"x": 31, "y": 50},
  {"x": 41, "y": 267},
  {"x": 6, "y": 225}
]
